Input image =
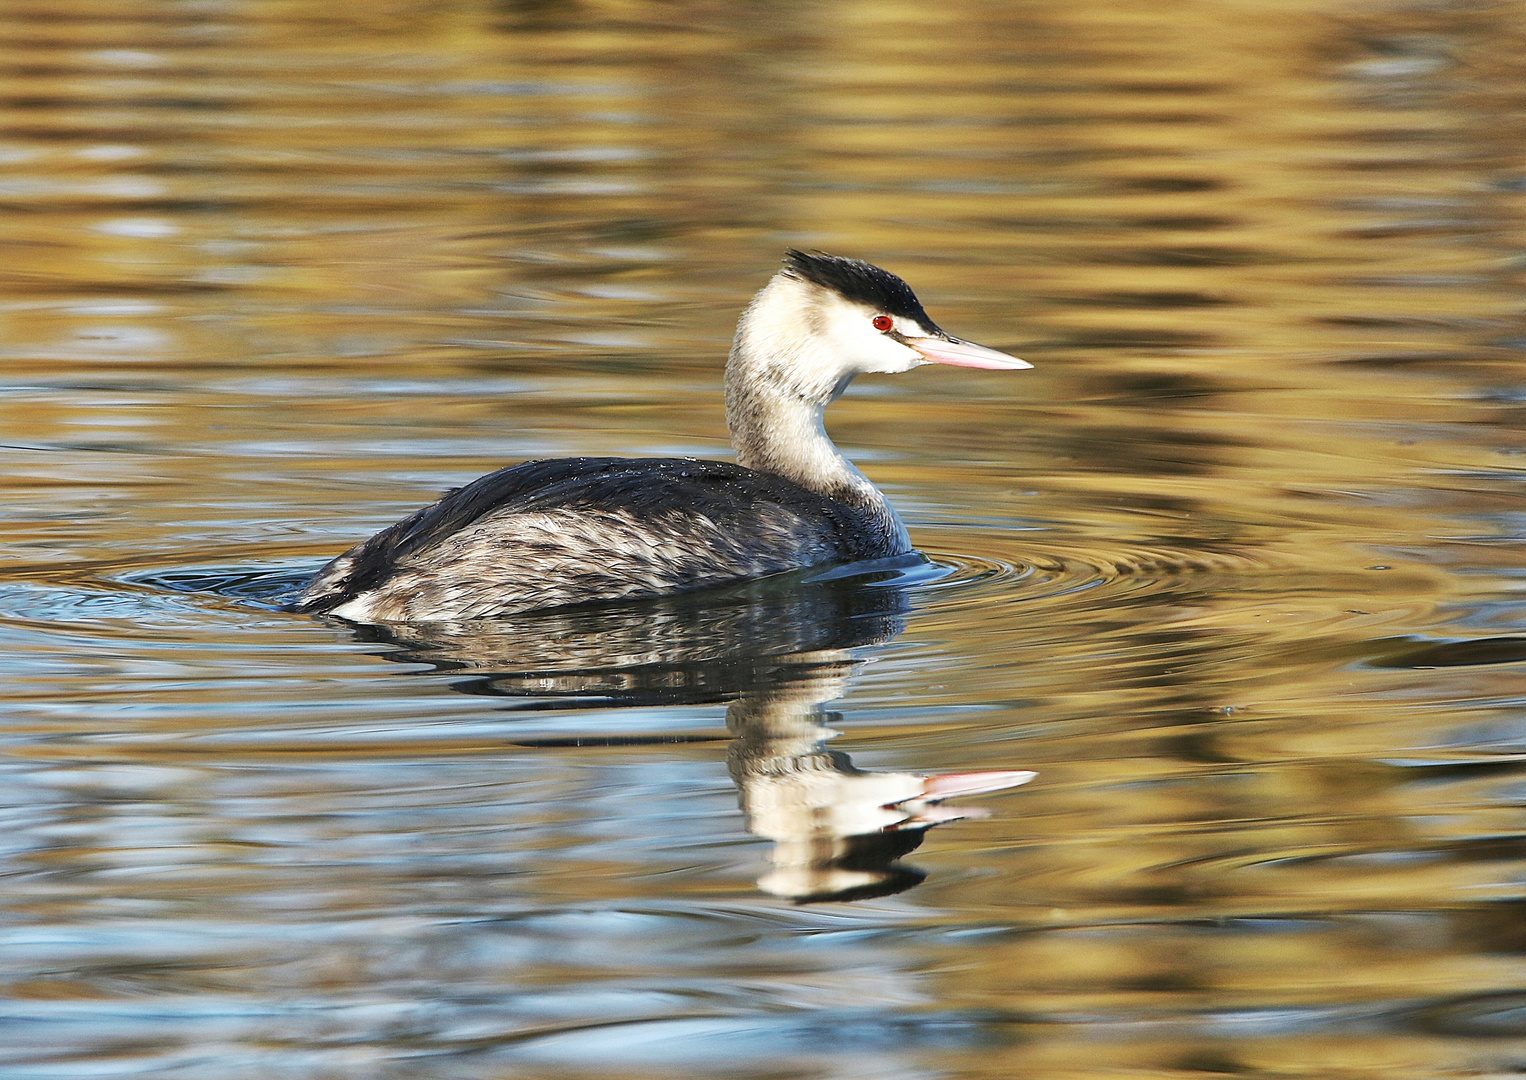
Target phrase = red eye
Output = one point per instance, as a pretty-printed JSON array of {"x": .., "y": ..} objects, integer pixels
[{"x": 883, "y": 322}]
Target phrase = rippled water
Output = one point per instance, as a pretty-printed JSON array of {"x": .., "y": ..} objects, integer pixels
[{"x": 1237, "y": 569}]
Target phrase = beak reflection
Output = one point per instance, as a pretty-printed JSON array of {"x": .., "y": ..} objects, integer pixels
[{"x": 838, "y": 830}]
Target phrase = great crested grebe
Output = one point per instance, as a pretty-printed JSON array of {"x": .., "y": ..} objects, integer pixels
[{"x": 566, "y": 531}]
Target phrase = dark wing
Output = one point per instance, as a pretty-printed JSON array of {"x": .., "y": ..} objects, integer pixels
[{"x": 787, "y": 525}]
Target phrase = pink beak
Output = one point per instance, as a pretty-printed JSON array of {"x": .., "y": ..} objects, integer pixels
[
  {"x": 947, "y": 785},
  {"x": 926, "y": 809},
  {"x": 964, "y": 354}
]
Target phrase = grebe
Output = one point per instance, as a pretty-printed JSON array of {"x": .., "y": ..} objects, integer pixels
[{"x": 568, "y": 531}]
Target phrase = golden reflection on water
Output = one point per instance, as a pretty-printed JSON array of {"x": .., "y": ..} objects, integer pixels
[{"x": 1236, "y": 568}]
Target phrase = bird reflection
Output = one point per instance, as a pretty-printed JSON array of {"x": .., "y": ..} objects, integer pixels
[
  {"x": 775, "y": 650},
  {"x": 838, "y": 831}
]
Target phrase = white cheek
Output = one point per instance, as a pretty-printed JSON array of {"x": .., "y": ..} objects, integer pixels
[
  {"x": 865, "y": 349},
  {"x": 892, "y": 357}
]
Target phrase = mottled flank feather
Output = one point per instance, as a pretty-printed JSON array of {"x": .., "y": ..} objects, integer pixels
[{"x": 588, "y": 530}]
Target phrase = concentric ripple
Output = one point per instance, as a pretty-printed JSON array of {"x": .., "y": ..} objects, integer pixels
[{"x": 1045, "y": 569}]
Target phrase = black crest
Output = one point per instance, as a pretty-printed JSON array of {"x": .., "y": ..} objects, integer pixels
[{"x": 861, "y": 282}]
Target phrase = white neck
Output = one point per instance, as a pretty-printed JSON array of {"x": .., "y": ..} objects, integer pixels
[
  {"x": 775, "y": 431},
  {"x": 779, "y": 379}
]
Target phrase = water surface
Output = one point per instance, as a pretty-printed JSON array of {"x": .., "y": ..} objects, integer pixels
[{"x": 1236, "y": 569}]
